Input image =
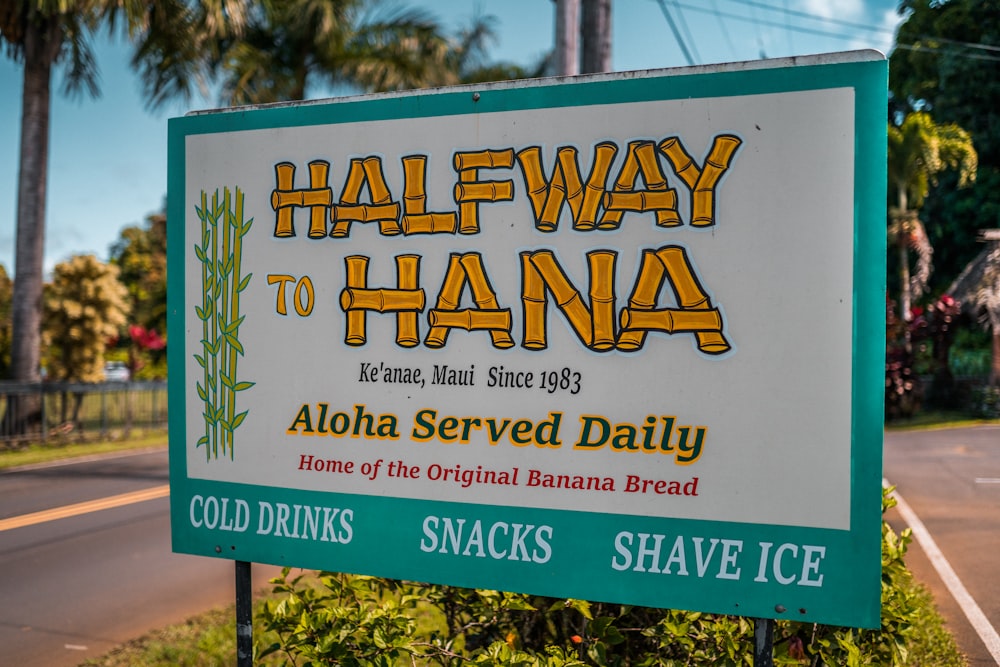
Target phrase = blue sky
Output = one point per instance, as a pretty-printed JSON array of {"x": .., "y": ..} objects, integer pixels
[{"x": 108, "y": 157}]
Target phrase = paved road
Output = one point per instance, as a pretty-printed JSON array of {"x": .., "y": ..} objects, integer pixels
[
  {"x": 74, "y": 588},
  {"x": 951, "y": 479}
]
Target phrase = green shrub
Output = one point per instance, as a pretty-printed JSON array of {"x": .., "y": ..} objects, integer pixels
[
  {"x": 339, "y": 619},
  {"x": 986, "y": 402}
]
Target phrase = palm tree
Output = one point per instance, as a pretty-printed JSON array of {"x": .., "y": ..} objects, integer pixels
[
  {"x": 918, "y": 150},
  {"x": 291, "y": 45},
  {"x": 42, "y": 35}
]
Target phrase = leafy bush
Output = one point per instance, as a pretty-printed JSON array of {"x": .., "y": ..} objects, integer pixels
[
  {"x": 986, "y": 402},
  {"x": 336, "y": 619}
]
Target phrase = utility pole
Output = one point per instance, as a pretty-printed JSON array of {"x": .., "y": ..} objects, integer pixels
[
  {"x": 596, "y": 36},
  {"x": 567, "y": 55}
]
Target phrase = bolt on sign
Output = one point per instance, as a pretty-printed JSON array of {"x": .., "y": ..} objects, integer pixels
[{"x": 616, "y": 337}]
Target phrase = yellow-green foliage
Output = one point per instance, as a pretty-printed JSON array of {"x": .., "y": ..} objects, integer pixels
[
  {"x": 83, "y": 307},
  {"x": 368, "y": 622}
]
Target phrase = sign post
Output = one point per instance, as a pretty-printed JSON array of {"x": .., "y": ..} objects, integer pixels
[{"x": 617, "y": 337}]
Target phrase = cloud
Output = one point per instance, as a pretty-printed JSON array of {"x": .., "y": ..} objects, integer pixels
[{"x": 845, "y": 10}]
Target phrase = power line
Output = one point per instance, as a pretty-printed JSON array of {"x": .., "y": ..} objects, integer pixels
[
  {"x": 687, "y": 32},
  {"x": 788, "y": 27},
  {"x": 813, "y": 17},
  {"x": 850, "y": 24},
  {"x": 677, "y": 34},
  {"x": 724, "y": 29},
  {"x": 775, "y": 24},
  {"x": 760, "y": 40}
]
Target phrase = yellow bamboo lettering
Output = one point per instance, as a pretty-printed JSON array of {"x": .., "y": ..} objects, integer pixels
[
  {"x": 602, "y": 298},
  {"x": 408, "y": 280},
  {"x": 673, "y": 320},
  {"x": 448, "y": 299},
  {"x": 593, "y": 192},
  {"x": 701, "y": 181},
  {"x": 656, "y": 184},
  {"x": 642, "y": 202},
  {"x": 656, "y": 197},
  {"x": 382, "y": 209},
  {"x": 472, "y": 319},
  {"x": 357, "y": 278},
  {"x": 695, "y": 313},
  {"x": 534, "y": 181},
  {"x": 385, "y": 215},
  {"x": 534, "y": 304},
  {"x": 381, "y": 300},
  {"x": 284, "y": 198},
  {"x": 566, "y": 185},
  {"x": 540, "y": 190},
  {"x": 691, "y": 295},
  {"x": 486, "y": 298},
  {"x": 357, "y": 298},
  {"x": 568, "y": 299},
  {"x": 486, "y": 191},
  {"x": 462, "y": 269},
  {"x": 429, "y": 223},
  {"x": 644, "y": 294},
  {"x": 349, "y": 196},
  {"x": 470, "y": 191},
  {"x": 625, "y": 182},
  {"x": 416, "y": 219},
  {"x": 484, "y": 159}
]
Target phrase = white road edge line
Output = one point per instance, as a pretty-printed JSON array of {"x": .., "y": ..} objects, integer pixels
[{"x": 958, "y": 591}]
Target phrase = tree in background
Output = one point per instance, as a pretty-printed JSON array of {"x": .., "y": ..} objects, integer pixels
[
  {"x": 42, "y": 35},
  {"x": 946, "y": 62},
  {"x": 290, "y": 45},
  {"x": 6, "y": 297},
  {"x": 140, "y": 253},
  {"x": 85, "y": 305},
  {"x": 469, "y": 56},
  {"x": 918, "y": 151}
]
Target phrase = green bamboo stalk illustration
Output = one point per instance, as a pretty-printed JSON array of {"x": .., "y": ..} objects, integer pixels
[{"x": 220, "y": 253}]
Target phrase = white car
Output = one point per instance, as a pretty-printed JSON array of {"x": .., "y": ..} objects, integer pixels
[{"x": 116, "y": 371}]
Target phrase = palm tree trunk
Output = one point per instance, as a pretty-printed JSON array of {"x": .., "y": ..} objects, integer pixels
[
  {"x": 905, "y": 299},
  {"x": 41, "y": 46},
  {"x": 995, "y": 360},
  {"x": 596, "y": 34}
]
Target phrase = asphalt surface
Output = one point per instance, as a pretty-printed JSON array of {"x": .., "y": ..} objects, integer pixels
[
  {"x": 74, "y": 588},
  {"x": 951, "y": 480}
]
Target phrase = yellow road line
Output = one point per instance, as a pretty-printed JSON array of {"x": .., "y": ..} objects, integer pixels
[{"x": 84, "y": 508}]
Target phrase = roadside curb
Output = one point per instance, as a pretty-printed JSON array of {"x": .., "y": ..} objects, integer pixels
[{"x": 82, "y": 459}]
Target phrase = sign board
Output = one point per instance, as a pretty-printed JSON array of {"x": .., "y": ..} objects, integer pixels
[{"x": 617, "y": 338}]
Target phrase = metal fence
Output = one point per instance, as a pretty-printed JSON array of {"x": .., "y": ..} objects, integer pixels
[{"x": 47, "y": 411}]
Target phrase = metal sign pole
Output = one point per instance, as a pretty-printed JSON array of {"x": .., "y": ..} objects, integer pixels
[
  {"x": 244, "y": 615},
  {"x": 763, "y": 636}
]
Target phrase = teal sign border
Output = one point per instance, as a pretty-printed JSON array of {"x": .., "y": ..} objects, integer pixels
[{"x": 580, "y": 565}]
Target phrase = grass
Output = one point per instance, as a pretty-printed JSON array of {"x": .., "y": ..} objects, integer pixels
[
  {"x": 206, "y": 640},
  {"x": 39, "y": 453},
  {"x": 931, "y": 420},
  {"x": 934, "y": 645},
  {"x": 209, "y": 639}
]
